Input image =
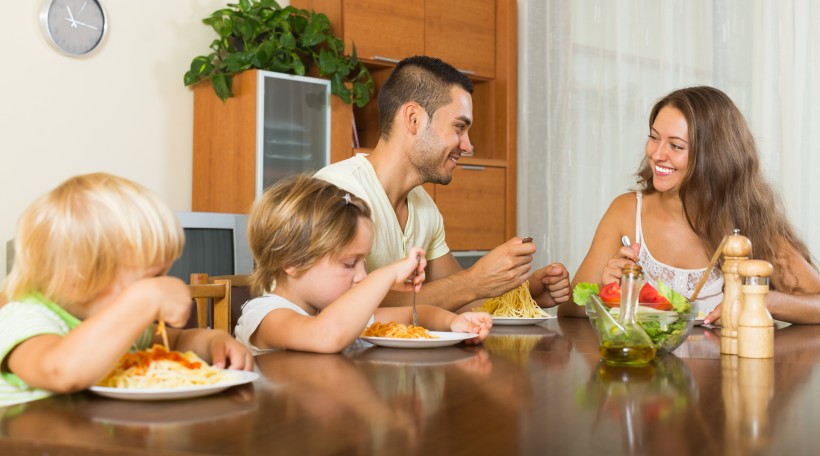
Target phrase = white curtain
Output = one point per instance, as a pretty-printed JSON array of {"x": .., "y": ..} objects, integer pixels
[{"x": 590, "y": 71}]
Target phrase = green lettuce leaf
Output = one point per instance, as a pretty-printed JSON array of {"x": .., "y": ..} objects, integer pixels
[{"x": 582, "y": 292}]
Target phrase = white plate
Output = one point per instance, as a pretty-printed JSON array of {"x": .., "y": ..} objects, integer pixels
[
  {"x": 158, "y": 394},
  {"x": 504, "y": 321},
  {"x": 444, "y": 339}
]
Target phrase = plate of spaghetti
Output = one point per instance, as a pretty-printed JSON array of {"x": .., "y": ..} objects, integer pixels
[
  {"x": 516, "y": 307},
  {"x": 160, "y": 374},
  {"x": 397, "y": 335}
]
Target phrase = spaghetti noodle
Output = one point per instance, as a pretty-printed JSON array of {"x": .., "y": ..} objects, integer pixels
[
  {"x": 517, "y": 303},
  {"x": 162, "y": 332},
  {"x": 397, "y": 330},
  {"x": 158, "y": 367}
]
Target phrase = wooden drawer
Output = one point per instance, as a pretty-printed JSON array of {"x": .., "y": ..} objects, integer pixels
[{"x": 473, "y": 206}]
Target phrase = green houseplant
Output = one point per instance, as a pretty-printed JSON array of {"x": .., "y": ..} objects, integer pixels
[{"x": 261, "y": 34}]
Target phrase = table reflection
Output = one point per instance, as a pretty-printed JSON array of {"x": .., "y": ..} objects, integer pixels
[
  {"x": 527, "y": 390},
  {"x": 640, "y": 401}
]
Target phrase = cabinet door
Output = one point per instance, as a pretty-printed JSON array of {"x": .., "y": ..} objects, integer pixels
[
  {"x": 383, "y": 29},
  {"x": 462, "y": 33},
  {"x": 295, "y": 127},
  {"x": 473, "y": 208}
]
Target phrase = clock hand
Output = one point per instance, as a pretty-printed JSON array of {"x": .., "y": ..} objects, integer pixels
[
  {"x": 81, "y": 10},
  {"x": 87, "y": 25},
  {"x": 70, "y": 17}
]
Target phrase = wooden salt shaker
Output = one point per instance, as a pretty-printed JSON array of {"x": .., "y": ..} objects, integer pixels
[
  {"x": 755, "y": 326},
  {"x": 735, "y": 251}
]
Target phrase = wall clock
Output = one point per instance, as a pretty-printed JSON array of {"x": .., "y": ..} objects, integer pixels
[{"x": 74, "y": 27}]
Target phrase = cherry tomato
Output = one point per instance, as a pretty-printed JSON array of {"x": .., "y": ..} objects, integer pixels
[
  {"x": 611, "y": 294},
  {"x": 651, "y": 298}
]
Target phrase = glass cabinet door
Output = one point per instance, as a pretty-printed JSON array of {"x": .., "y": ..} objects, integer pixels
[{"x": 295, "y": 126}]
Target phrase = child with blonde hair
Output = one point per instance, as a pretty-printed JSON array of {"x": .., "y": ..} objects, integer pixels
[
  {"x": 309, "y": 239},
  {"x": 87, "y": 285}
]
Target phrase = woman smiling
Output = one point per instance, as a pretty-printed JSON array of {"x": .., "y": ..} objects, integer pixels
[{"x": 700, "y": 178}]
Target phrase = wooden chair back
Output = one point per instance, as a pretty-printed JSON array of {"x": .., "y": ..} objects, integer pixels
[
  {"x": 215, "y": 296},
  {"x": 212, "y": 300}
]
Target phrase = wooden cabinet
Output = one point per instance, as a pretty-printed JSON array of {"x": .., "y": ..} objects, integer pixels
[
  {"x": 462, "y": 33},
  {"x": 385, "y": 30},
  {"x": 232, "y": 154}
]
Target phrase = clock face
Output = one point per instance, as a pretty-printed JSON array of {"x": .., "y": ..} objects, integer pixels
[{"x": 73, "y": 27}]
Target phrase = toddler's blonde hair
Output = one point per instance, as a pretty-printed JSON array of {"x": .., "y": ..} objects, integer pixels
[
  {"x": 297, "y": 222},
  {"x": 71, "y": 242}
]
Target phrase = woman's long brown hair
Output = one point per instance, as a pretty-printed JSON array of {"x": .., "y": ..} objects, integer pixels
[{"x": 724, "y": 187}]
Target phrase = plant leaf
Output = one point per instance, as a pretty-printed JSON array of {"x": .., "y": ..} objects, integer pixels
[
  {"x": 200, "y": 67},
  {"x": 222, "y": 86},
  {"x": 262, "y": 34}
]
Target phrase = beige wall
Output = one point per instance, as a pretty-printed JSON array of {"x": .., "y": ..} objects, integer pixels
[{"x": 123, "y": 110}]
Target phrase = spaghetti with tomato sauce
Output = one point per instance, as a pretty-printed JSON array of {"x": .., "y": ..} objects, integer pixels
[
  {"x": 397, "y": 330},
  {"x": 158, "y": 367}
]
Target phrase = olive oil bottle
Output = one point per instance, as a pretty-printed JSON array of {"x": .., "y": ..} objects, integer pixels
[{"x": 627, "y": 344}]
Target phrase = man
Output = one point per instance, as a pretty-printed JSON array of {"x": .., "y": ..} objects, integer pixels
[{"x": 425, "y": 112}]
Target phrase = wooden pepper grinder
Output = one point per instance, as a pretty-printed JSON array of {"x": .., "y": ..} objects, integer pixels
[
  {"x": 735, "y": 251},
  {"x": 755, "y": 326}
]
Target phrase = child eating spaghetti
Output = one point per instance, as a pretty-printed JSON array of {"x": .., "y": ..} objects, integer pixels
[
  {"x": 309, "y": 240},
  {"x": 86, "y": 286}
]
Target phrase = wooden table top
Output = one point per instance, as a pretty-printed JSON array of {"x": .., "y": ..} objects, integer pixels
[{"x": 528, "y": 390}]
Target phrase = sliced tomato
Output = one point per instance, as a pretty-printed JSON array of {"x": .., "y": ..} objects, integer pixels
[
  {"x": 611, "y": 294},
  {"x": 650, "y": 297}
]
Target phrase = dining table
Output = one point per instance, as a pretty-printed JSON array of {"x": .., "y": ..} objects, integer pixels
[{"x": 526, "y": 390}]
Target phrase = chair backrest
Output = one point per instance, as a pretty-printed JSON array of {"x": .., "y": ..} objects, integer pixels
[
  {"x": 212, "y": 300},
  {"x": 240, "y": 294},
  {"x": 227, "y": 302}
]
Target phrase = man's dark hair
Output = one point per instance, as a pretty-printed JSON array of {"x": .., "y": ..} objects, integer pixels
[{"x": 425, "y": 80}]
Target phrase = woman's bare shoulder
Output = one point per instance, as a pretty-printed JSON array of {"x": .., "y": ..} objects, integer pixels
[{"x": 623, "y": 205}]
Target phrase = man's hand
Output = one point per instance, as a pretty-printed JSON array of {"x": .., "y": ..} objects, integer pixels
[
  {"x": 503, "y": 268},
  {"x": 549, "y": 285}
]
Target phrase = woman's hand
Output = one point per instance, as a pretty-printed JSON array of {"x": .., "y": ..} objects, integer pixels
[
  {"x": 714, "y": 317},
  {"x": 478, "y": 323},
  {"x": 613, "y": 268}
]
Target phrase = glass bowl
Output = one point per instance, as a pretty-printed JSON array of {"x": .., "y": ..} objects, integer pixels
[{"x": 666, "y": 329}]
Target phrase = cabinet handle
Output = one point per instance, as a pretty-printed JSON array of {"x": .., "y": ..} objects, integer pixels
[
  {"x": 474, "y": 167},
  {"x": 467, "y": 72},
  {"x": 385, "y": 59}
]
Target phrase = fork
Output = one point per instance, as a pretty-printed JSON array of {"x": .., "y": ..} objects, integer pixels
[{"x": 415, "y": 314}]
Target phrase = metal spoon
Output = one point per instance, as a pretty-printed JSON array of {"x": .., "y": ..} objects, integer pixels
[{"x": 627, "y": 243}]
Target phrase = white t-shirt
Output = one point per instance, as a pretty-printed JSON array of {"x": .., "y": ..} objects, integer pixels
[
  {"x": 255, "y": 310},
  {"x": 425, "y": 225}
]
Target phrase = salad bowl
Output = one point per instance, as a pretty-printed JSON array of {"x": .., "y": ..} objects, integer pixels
[{"x": 666, "y": 316}]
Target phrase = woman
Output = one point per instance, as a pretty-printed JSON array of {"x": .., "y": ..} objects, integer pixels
[{"x": 700, "y": 179}]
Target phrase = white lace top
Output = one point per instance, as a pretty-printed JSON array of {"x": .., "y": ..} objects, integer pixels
[{"x": 683, "y": 281}]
